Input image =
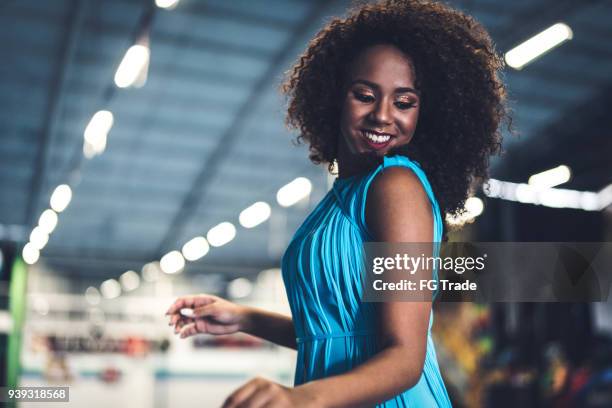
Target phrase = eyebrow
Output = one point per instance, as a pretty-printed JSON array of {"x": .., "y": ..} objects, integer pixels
[{"x": 397, "y": 90}]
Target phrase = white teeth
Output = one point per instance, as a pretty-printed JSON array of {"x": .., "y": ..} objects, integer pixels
[{"x": 377, "y": 138}]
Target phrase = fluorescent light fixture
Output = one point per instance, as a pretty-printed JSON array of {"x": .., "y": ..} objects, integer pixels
[
  {"x": 550, "y": 197},
  {"x": 551, "y": 178},
  {"x": 537, "y": 45},
  {"x": 61, "y": 198},
  {"x": 110, "y": 289},
  {"x": 255, "y": 214},
  {"x": 39, "y": 238},
  {"x": 48, "y": 221},
  {"x": 92, "y": 295},
  {"x": 166, "y": 4},
  {"x": 30, "y": 254},
  {"x": 151, "y": 272},
  {"x": 132, "y": 66},
  {"x": 221, "y": 234},
  {"x": 172, "y": 262},
  {"x": 525, "y": 193},
  {"x": 96, "y": 133},
  {"x": 294, "y": 191},
  {"x": 604, "y": 196},
  {"x": 559, "y": 198},
  {"x": 195, "y": 249},
  {"x": 129, "y": 280}
]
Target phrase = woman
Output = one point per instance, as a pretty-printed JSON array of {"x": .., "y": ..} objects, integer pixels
[{"x": 404, "y": 97}]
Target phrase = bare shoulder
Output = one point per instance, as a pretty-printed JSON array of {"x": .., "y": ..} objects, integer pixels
[
  {"x": 397, "y": 207},
  {"x": 395, "y": 181}
]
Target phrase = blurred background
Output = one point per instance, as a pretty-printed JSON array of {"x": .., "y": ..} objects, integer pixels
[{"x": 143, "y": 156}]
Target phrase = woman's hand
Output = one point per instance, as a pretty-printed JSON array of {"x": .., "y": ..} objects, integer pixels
[
  {"x": 261, "y": 392},
  {"x": 211, "y": 314}
]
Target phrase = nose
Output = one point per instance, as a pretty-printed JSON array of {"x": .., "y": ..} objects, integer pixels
[{"x": 381, "y": 114}]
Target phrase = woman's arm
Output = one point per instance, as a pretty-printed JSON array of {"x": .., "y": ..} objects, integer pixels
[
  {"x": 215, "y": 315},
  {"x": 397, "y": 210},
  {"x": 270, "y": 326}
]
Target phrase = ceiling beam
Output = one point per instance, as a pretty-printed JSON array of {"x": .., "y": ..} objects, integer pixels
[
  {"x": 212, "y": 163},
  {"x": 52, "y": 114}
]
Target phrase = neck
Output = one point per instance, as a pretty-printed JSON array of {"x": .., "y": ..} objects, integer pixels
[{"x": 350, "y": 164}]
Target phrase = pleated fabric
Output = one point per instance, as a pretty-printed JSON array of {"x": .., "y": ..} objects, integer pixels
[{"x": 321, "y": 271}]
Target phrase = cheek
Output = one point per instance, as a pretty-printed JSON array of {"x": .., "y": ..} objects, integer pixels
[
  {"x": 349, "y": 116},
  {"x": 409, "y": 122}
]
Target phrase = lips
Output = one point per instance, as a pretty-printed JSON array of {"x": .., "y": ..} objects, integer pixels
[{"x": 376, "y": 140}]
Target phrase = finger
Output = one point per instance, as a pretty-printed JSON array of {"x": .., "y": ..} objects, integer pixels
[
  {"x": 260, "y": 397},
  {"x": 184, "y": 301},
  {"x": 188, "y": 330},
  {"x": 181, "y": 323},
  {"x": 174, "y": 319},
  {"x": 240, "y": 395},
  {"x": 190, "y": 301}
]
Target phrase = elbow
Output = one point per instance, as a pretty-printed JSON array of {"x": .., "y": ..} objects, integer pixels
[
  {"x": 412, "y": 379},
  {"x": 410, "y": 376},
  {"x": 412, "y": 370}
]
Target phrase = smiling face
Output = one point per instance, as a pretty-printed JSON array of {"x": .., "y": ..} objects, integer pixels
[{"x": 381, "y": 104}]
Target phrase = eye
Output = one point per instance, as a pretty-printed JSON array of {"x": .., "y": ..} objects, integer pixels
[
  {"x": 363, "y": 97},
  {"x": 402, "y": 105}
]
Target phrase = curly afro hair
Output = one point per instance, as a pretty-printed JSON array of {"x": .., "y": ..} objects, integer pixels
[{"x": 457, "y": 73}]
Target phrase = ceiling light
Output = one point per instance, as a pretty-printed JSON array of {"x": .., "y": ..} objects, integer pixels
[
  {"x": 549, "y": 197},
  {"x": 96, "y": 133},
  {"x": 110, "y": 289},
  {"x": 474, "y": 206},
  {"x": 39, "y": 238},
  {"x": 255, "y": 214},
  {"x": 151, "y": 272},
  {"x": 92, "y": 295},
  {"x": 221, "y": 234},
  {"x": 294, "y": 191},
  {"x": 537, "y": 45},
  {"x": 48, "y": 221},
  {"x": 30, "y": 254},
  {"x": 604, "y": 197},
  {"x": 61, "y": 198},
  {"x": 132, "y": 66},
  {"x": 195, "y": 249},
  {"x": 172, "y": 262},
  {"x": 166, "y": 4},
  {"x": 551, "y": 178},
  {"x": 129, "y": 280}
]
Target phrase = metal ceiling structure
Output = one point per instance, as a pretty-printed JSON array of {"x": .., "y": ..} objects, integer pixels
[{"x": 204, "y": 138}]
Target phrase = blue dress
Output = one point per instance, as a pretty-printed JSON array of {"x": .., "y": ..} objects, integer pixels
[{"x": 321, "y": 272}]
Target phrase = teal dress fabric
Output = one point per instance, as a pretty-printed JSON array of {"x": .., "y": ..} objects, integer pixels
[{"x": 321, "y": 272}]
